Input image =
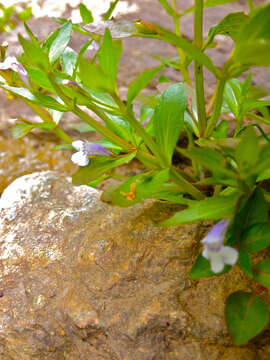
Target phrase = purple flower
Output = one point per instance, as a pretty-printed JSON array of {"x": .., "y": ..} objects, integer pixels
[
  {"x": 69, "y": 83},
  {"x": 12, "y": 63},
  {"x": 86, "y": 148},
  {"x": 215, "y": 251}
]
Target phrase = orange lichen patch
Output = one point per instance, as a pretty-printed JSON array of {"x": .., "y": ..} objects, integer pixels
[{"x": 130, "y": 195}]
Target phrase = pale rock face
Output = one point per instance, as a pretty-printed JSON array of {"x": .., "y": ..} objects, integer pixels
[{"x": 84, "y": 280}]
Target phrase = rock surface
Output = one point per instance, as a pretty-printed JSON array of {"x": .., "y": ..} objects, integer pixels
[{"x": 82, "y": 280}]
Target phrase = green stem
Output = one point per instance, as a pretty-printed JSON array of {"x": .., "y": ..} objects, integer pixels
[
  {"x": 88, "y": 119},
  {"x": 136, "y": 125},
  {"x": 198, "y": 69},
  {"x": 251, "y": 6},
  {"x": 102, "y": 130},
  {"x": 217, "y": 107},
  {"x": 263, "y": 120},
  {"x": 181, "y": 53},
  {"x": 185, "y": 185},
  {"x": 47, "y": 118},
  {"x": 239, "y": 124}
]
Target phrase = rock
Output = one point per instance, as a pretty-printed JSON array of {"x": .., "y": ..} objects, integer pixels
[{"x": 83, "y": 280}]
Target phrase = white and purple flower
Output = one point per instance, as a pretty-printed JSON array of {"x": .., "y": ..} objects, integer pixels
[
  {"x": 215, "y": 251},
  {"x": 11, "y": 63},
  {"x": 86, "y": 148}
]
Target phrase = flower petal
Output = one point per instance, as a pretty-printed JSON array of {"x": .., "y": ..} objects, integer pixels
[
  {"x": 80, "y": 158},
  {"x": 206, "y": 254},
  {"x": 78, "y": 145},
  {"x": 217, "y": 233},
  {"x": 12, "y": 63},
  {"x": 229, "y": 255},
  {"x": 95, "y": 149},
  {"x": 7, "y": 63},
  {"x": 217, "y": 264}
]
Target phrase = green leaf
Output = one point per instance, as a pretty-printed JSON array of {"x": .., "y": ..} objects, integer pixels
[
  {"x": 213, "y": 208},
  {"x": 258, "y": 26},
  {"x": 30, "y": 34},
  {"x": 45, "y": 126},
  {"x": 210, "y": 159},
  {"x": 233, "y": 96},
  {"x": 163, "y": 79},
  {"x": 264, "y": 175},
  {"x": 19, "y": 130},
  {"x": 253, "y": 41},
  {"x": 141, "y": 82},
  {"x": 202, "y": 268},
  {"x": 146, "y": 112},
  {"x": 256, "y": 237},
  {"x": 92, "y": 76},
  {"x": 34, "y": 53},
  {"x": 264, "y": 162},
  {"x": 169, "y": 118},
  {"x": 60, "y": 42},
  {"x": 39, "y": 98},
  {"x": 109, "y": 12},
  {"x": 246, "y": 316},
  {"x": 25, "y": 14},
  {"x": 108, "y": 56},
  {"x": 250, "y": 104},
  {"x": 86, "y": 14},
  {"x": 21, "y": 92},
  {"x": 262, "y": 273},
  {"x": 50, "y": 102},
  {"x": 82, "y": 128},
  {"x": 40, "y": 79},
  {"x": 253, "y": 52},
  {"x": 229, "y": 26},
  {"x": 247, "y": 152},
  {"x": 120, "y": 126},
  {"x": 250, "y": 210},
  {"x": 244, "y": 261},
  {"x": 62, "y": 147},
  {"x": 188, "y": 47},
  {"x": 221, "y": 131},
  {"x": 98, "y": 166},
  {"x": 68, "y": 60},
  {"x": 137, "y": 188},
  {"x": 170, "y": 11}
]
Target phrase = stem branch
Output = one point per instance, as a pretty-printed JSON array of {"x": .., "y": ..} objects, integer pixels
[
  {"x": 198, "y": 69},
  {"x": 217, "y": 107}
]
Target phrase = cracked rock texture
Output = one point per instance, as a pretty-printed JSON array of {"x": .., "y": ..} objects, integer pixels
[{"x": 82, "y": 280}]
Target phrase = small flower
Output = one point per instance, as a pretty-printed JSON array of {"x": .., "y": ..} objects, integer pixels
[
  {"x": 86, "y": 148},
  {"x": 215, "y": 251},
  {"x": 12, "y": 63},
  {"x": 69, "y": 83}
]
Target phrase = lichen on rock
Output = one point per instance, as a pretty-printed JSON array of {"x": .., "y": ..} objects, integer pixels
[{"x": 83, "y": 280}]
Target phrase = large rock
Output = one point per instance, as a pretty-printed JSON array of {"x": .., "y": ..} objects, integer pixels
[{"x": 83, "y": 280}]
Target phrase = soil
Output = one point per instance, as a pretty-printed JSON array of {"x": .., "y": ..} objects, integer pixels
[{"x": 33, "y": 153}]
